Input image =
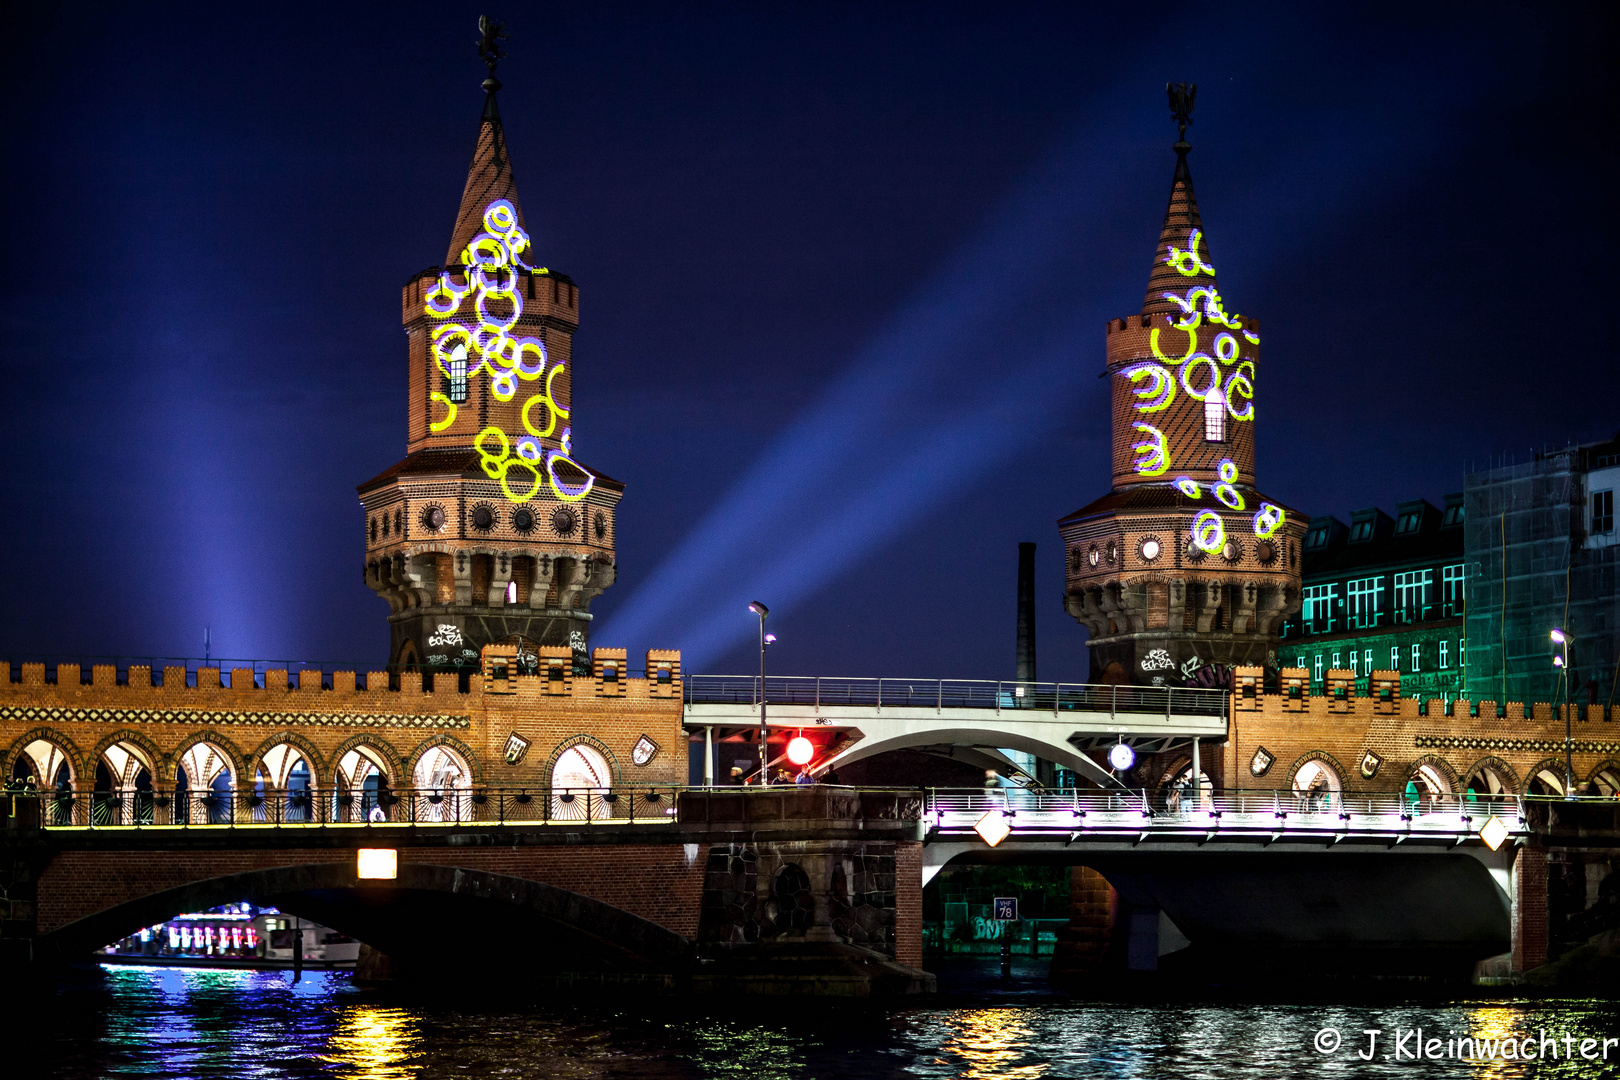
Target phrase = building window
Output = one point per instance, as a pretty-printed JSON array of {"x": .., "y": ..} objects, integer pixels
[
  {"x": 455, "y": 387},
  {"x": 1336, "y": 665},
  {"x": 511, "y": 592},
  {"x": 1445, "y": 647},
  {"x": 1361, "y": 531},
  {"x": 1412, "y": 595},
  {"x": 1394, "y": 658},
  {"x": 1454, "y": 516},
  {"x": 1355, "y": 662},
  {"x": 1366, "y": 662},
  {"x": 1317, "y": 537},
  {"x": 1408, "y": 522},
  {"x": 1215, "y": 415},
  {"x": 1453, "y": 590},
  {"x": 1319, "y": 601},
  {"x": 1366, "y": 596},
  {"x": 1417, "y": 654},
  {"x": 1318, "y": 675},
  {"x": 1462, "y": 652},
  {"x": 1603, "y": 511}
]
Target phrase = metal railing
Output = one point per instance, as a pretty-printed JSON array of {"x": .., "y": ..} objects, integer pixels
[
  {"x": 644, "y": 804},
  {"x": 1034, "y": 811},
  {"x": 941, "y": 694}
]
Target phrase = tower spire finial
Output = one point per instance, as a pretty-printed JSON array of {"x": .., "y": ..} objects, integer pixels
[
  {"x": 489, "y": 51},
  {"x": 1181, "y": 107}
]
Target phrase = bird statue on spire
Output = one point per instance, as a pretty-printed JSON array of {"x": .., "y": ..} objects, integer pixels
[
  {"x": 491, "y": 32},
  {"x": 1181, "y": 107}
]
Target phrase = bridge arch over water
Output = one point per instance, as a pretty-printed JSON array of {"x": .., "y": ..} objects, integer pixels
[{"x": 431, "y": 916}]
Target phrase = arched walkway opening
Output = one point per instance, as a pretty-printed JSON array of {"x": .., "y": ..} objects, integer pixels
[
  {"x": 579, "y": 781},
  {"x": 1605, "y": 782},
  {"x": 1426, "y": 785},
  {"x": 43, "y": 765},
  {"x": 1177, "y": 792},
  {"x": 443, "y": 782},
  {"x": 362, "y": 786},
  {"x": 1317, "y": 785},
  {"x": 123, "y": 787},
  {"x": 283, "y": 786},
  {"x": 1546, "y": 780},
  {"x": 1488, "y": 784},
  {"x": 203, "y": 786}
]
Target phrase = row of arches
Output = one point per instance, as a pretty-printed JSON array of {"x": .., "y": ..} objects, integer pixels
[
  {"x": 1320, "y": 776},
  {"x": 129, "y": 783}
]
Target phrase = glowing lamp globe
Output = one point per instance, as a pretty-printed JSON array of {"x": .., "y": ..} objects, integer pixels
[
  {"x": 800, "y": 750},
  {"x": 1121, "y": 757}
]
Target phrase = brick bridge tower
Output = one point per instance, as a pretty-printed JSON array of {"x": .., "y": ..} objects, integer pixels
[
  {"x": 1184, "y": 568},
  {"x": 489, "y": 530}
]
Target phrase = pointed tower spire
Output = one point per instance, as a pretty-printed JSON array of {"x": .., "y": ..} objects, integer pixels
[
  {"x": 489, "y": 177},
  {"x": 1182, "y": 244}
]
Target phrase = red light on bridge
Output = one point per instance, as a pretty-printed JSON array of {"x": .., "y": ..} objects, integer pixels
[{"x": 800, "y": 750}]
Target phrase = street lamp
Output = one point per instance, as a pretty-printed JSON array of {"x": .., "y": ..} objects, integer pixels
[
  {"x": 1561, "y": 662},
  {"x": 764, "y": 732}
]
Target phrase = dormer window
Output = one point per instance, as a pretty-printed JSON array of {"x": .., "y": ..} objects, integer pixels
[
  {"x": 1408, "y": 522},
  {"x": 1453, "y": 516},
  {"x": 1361, "y": 531},
  {"x": 1317, "y": 537}
]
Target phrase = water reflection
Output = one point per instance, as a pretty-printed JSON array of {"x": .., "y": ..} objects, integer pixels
[
  {"x": 372, "y": 1043},
  {"x": 171, "y": 1023}
]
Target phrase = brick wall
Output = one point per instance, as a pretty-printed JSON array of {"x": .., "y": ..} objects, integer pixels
[
  {"x": 1529, "y": 909},
  {"x": 245, "y": 721},
  {"x": 908, "y": 913}
]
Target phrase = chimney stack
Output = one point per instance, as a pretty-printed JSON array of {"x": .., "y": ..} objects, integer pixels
[{"x": 1026, "y": 613}]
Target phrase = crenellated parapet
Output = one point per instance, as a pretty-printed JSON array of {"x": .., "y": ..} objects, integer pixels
[{"x": 1379, "y": 741}]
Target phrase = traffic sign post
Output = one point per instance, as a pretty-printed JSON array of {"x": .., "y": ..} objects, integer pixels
[{"x": 1004, "y": 909}]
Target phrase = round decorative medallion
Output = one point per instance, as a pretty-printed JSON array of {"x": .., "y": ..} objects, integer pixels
[
  {"x": 433, "y": 518},
  {"x": 523, "y": 519},
  {"x": 600, "y": 524},
  {"x": 1265, "y": 552},
  {"x": 1149, "y": 548},
  {"x": 563, "y": 521},
  {"x": 1232, "y": 552},
  {"x": 1093, "y": 555},
  {"x": 1194, "y": 552},
  {"x": 483, "y": 518}
]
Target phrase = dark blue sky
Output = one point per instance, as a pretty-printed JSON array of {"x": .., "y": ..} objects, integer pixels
[{"x": 844, "y": 272}]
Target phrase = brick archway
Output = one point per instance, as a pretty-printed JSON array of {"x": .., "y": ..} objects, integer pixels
[
  {"x": 468, "y": 754},
  {"x": 329, "y": 892},
  {"x": 312, "y": 757},
  {"x": 70, "y": 751}
]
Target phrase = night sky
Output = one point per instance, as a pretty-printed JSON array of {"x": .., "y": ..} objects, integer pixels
[{"x": 844, "y": 272}]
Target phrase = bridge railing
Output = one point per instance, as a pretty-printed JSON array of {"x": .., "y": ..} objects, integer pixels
[
  {"x": 940, "y": 694},
  {"x": 641, "y": 804},
  {"x": 1027, "y": 810}
]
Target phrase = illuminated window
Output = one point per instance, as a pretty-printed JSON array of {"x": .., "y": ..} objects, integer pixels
[
  {"x": 1445, "y": 647},
  {"x": 1355, "y": 658},
  {"x": 1394, "y": 658},
  {"x": 1453, "y": 590},
  {"x": 455, "y": 387},
  {"x": 1408, "y": 522},
  {"x": 511, "y": 592},
  {"x": 1462, "y": 652},
  {"x": 1336, "y": 665},
  {"x": 1366, "y": 597},
  {"x": 1366, "y": 662},
  {"x": 1454, "y": 516},
  {"x": 1417, "y": 655},
  {"x": 1318, "y": 667},
  {"x": 1602, "y": 511},
  {"x": 1215, "y": 416},
  {"x": 1412, "y": 598},
  {"x": 1361, "y": 531},
  {"x": 1318, "y": 612}
]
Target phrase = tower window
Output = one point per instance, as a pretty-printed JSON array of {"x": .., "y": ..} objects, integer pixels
[
  {"x": 1215, "y": 416},
  {"x": 511, "y": 592},
  {"x": 455, "y": 387}
]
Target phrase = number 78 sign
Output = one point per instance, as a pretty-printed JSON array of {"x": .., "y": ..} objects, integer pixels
[{"x": 1006, "y": 908}]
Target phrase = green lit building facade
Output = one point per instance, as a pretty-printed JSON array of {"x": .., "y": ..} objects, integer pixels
[
  {"x": 1385, "y": 593},
  {"x": 1543, "y": 544}
]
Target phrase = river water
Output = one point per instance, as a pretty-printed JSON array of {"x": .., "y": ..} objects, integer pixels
[{"x": 171, "y": 1022}]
